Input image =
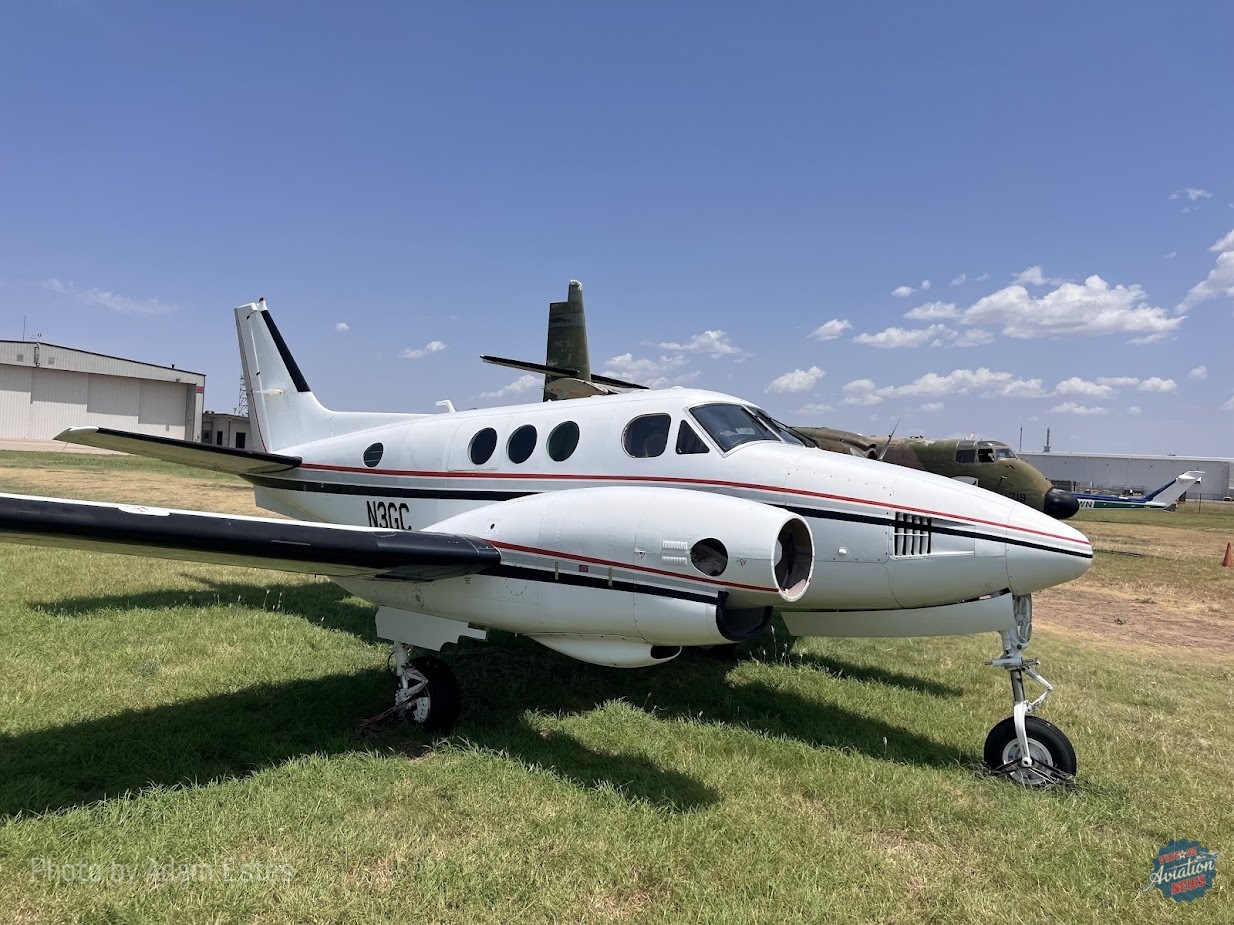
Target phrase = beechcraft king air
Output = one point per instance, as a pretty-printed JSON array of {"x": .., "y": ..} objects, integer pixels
[{"x": 615, "y": 530}]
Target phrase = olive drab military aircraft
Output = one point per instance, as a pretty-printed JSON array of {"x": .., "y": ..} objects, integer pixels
[
  {"x": 986, "y": 463},
  {"x": 615, "y": 531}
]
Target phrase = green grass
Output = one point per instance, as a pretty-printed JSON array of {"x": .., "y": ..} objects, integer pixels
[
  {"x": 101, "y": 464},
  {"x": 201, "y": 715}
]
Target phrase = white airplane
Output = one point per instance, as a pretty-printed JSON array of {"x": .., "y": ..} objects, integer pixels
[
  {"x": 1162, "y": 498},
  {"x": 614, "y": 530}
]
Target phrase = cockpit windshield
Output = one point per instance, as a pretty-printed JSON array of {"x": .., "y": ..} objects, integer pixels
[
  {"x": 783, "y": 431},
  {"x": 733, "y": 425},
  {"x": 1004, "y": 452}
]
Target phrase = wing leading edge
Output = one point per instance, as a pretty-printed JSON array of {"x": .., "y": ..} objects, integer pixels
[
  {"x": 184, "y": 452},
  {"x": 282, "y": 545}
]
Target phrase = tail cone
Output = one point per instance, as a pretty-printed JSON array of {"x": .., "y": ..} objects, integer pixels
[{"x": 1228, "y": 561}]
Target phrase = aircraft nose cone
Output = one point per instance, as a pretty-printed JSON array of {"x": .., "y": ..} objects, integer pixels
[
  {"x": 1060, "y": 504},
  {"x": 1041, "y": 552}
]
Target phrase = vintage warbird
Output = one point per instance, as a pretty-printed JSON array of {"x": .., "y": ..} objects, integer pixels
[
  {"x": 989, "y": 464},
  {"x": 616, "y": 531}
]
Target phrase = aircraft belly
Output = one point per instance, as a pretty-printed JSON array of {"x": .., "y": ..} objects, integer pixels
[{"x": 989, "y": 615}]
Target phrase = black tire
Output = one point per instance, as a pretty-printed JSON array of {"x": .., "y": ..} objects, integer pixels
[
  {"x": 441, "y": 702},
  {"x": 1045, "y": 740}
]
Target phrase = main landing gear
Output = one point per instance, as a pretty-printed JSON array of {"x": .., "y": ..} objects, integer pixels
[
  {"x": 1026, "y": 748},
  {"x": 426, "y": 692}
]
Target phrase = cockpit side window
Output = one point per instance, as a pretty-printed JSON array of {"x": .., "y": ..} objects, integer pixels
[
  {"x": 647, "y": 436},
  {"x": 732, "y": 425},
  {"x": 688, "y": 441},
  {"x": 1004, "y": 452},
  {"x": 985, "y": 454},
  {"x": 966, "y": 456}
]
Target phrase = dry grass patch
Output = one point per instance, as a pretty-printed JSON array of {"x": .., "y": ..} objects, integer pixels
[{"x": 185, "y": 492}]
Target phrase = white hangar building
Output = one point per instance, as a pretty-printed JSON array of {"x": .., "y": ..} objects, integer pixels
[
  {"x": 1101, "y": 471},
  {"x": 45, "y": 388}
]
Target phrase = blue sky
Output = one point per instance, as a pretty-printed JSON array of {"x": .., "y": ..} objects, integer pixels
[{"x": 747, "y": 193}]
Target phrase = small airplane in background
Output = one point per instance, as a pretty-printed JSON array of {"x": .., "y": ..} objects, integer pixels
[
  {"x": 1164, "y": 498},
  {"x": 615, "y": 531},
  {"x": 989, "y": 464}
]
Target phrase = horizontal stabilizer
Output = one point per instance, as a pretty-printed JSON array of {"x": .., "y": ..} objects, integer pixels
[
  {"x": 184, "y": 452},
  {"x": 547, "y": 370},
  {"x": 258, "y": 542}
]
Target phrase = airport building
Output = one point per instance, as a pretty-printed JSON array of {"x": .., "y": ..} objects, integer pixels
[
  {"x": 45, "y": 388},
  {"x": 223, "y": 429},
  {"x": 1140, "y": 474}
]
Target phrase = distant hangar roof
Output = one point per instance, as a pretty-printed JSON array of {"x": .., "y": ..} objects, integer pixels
[{"x": 71, "y": 359}]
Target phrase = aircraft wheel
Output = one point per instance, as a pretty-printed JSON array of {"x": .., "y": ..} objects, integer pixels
[
  {"x": 437, "y": 707},
  {"x": 1046, "y": 744}
]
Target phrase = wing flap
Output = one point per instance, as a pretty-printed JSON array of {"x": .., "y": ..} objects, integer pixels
[
  {"x": 184, "y": 452},
  {"x": 259, "y": 542}
]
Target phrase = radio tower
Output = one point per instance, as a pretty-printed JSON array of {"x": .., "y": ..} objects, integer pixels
[{"x": 242, "y": 404}]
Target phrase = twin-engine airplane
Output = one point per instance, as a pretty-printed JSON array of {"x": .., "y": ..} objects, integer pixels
[
  {"x": 1164, "y": 498},
  {"x": 615, "y": 531}
]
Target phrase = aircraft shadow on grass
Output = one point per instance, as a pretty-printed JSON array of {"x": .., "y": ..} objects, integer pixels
[{"x": 239, "y": 733}]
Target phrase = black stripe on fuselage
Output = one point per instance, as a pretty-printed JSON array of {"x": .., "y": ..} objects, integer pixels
[
  {"x": 597, "y": 581},
  {"x": 459, "y": 494}
]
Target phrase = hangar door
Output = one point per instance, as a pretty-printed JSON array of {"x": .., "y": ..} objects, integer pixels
[{"x": 162, "y": 409}]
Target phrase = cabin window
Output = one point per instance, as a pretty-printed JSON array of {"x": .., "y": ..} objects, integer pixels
[
  {"x": 732, "y": 425},
  {"x": 372, "y": 456},
  {"x": 562, "y": 441},
  {"x": 688, "y": 441},
  {"x": 647, "y": 436},
  {"x": 521, "y": 443},
  {"x": 482, "y": 446},
  {"x": 966, "y": 456}
]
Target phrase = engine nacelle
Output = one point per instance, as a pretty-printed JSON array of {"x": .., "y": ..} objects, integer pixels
[{"x": 667, "y": 566}]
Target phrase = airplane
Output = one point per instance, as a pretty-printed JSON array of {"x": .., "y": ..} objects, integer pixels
[
  {"x": 1164, "y": 498},
  {"x": 990, "y": 464},
  {"x": 615, "y": 531}
]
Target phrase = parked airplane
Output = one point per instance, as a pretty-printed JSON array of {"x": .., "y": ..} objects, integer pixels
[
  {"x": 1164, "y": 497},
  {"x": 988, "y": 464},
  {"x": 615, "y": 531}
]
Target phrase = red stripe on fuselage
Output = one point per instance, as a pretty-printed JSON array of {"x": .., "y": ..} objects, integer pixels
[{"x": 677, "y": 480}]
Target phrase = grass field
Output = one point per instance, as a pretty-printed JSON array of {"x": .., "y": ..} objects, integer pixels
[{"x": 192, "y": 732}]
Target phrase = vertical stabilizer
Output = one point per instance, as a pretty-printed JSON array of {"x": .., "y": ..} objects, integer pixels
[
  {"x": 567, "y": 338},
  {"x": 1168, "y": 494}
]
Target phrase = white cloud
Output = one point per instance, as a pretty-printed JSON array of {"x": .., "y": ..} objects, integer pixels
[
  {"x": 433, "y": 346},
  {"x": 521, "y": 384},
  {"x": 893, "y": 338},
  {"x": 1171, "y": 255},
  {"x": 1070, "y": 407},
  {"x": 1157, "y": 384},
  {"x": 799, "y": 380},
  {"x": 959, "y": 280},
  {"x": 861, "y": 392},
  {"x": 1191, "y": 193},
  {"x": 1118, "y": 382},
  {"x": 814, "y": 408},
  {"x": 925, "y": 284},
  {"x": 831, "y": 329},
  {"x": 1088, "y": 309},
  {"x": 1033, "y": 276},
  {"x": 903, "y": 292},
  {"x": 961, "y": 381},
  {"x": 1199, "y": 374},
  {"x": 931, "y": 406},
  {"x": 1228, "y": 406},
  {"x": 973, "y": 337},
  {"x": 932, "y": 311},
  {"x": 342, "y": 327},
  {"x": 711, "y": 343},
  {"x": 655, "y": 374},
  {"x": 1134, "y": 409},
  {"x": 1220, "y": 280},
  {"x": 982, "y": 278},
  {"x": 117, "y": 303},
  {"x": 1083, "y": 388}
]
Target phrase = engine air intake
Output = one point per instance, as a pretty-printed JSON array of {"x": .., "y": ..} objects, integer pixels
[{"x": 913, "y": 535}]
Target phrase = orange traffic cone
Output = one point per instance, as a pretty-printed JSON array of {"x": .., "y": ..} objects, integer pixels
[{"x": 1228, "y": 561}]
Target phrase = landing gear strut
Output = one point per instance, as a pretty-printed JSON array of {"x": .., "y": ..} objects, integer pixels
[
  {"x": 1026, "y": 748},
  {"x": 426, "y": 692}
]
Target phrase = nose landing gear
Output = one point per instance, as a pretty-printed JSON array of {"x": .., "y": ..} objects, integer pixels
[{"x": 1026, "y": 748}]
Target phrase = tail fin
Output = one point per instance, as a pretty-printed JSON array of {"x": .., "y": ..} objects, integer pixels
[
  {"x": 567, "y": 338},
  {"x": 1168, "y": 494},
  {"x": 283, "y": 411}
]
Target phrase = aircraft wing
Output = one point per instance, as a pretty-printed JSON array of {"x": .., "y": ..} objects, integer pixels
[
  {"x": 561, "y": 371},
  {"x": 260, "y": 542},
  {"x": 185, "y": 452}
]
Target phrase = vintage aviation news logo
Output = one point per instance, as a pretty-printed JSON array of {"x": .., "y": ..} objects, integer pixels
[{"x": 1183, "y": 870}]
